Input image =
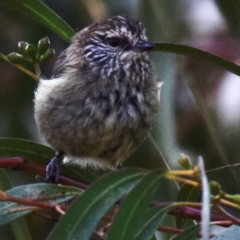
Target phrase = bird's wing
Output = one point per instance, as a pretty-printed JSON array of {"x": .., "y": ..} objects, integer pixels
[{"x": 59, "y": 65}]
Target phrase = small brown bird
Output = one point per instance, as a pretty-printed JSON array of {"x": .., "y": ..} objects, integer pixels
[{"x": 103, "y": 98}]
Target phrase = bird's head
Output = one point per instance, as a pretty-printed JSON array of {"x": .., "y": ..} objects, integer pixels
[{"x": 110, "y": 45}]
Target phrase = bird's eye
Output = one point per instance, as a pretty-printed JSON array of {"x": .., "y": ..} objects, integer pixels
[{"x": 113, "y": 42}]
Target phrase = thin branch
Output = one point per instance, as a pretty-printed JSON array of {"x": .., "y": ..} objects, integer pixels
[
  {"x": 170, "y": 229},
  {"x": 177, "y": 231},
  {"x": 37, "y": 70},
  {"x": 228, "y": 203},
  {"x": 226, "y": 214},
  {"x": 20, "y": 67},
  {"x": 31, "y": 202},
  {"x": 195, "y": 214},
  {"x": 218, "y": 169},
  {"x": 21, "y": 164}
]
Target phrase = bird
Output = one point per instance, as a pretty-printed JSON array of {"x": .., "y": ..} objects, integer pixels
[{"x": 102, "y": 99}]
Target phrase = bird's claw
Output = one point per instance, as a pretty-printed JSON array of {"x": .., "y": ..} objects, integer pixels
[{"x": 53, "y": 170}]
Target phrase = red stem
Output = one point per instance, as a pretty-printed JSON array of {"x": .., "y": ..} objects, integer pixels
[
  {"x": 21, "y": 164},
  {"x": 193, "y": 213}
]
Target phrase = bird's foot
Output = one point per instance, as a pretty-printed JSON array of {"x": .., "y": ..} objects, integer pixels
[{"x": 53, "y": 169}]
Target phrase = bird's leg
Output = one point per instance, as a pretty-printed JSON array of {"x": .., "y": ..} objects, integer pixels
[{"x": 53, "y": 169}]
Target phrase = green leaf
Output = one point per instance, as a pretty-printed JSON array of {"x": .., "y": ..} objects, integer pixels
[
  {"x": 20, "y": 229},
  {"x": 187, "y": 193},
  {"x": 12, "y": 147},
  {"x": 131, "y": 215},
  {"x": 41, "y": 154},
  {"x": 153, "y": 219},
  {"x": 44, "y": 15},
  {"x": 19, "y": 226},
  {"x": 82, "y": 218},
  {"x": 51, "y": 193},
  {"x": 5, "y": 182},
  {"x": 191, "y": 51},
  {"x": 185, "y": 162},
  {"x": 189, "y": 233}
]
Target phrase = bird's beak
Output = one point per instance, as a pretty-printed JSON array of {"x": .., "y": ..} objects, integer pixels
[{"x": 142, "y": 45}]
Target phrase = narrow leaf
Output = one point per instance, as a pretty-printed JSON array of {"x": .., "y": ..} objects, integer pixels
[
  {"x": 5, "y": 182},
  {"x": 20, "y": 229},
  {"x": 41, "y": 192},
  {"x": 189, "y": 233},
  {"x": 82, "y": 218},
  {"x": 19, "y": 226},
  {"x": 44, "y": 15},
  {"x": 191, "y": 51},
  {"x": 187, "y": 193},
  {"x": 153, "y": 220},
  {"x": 131, "y": 215}
]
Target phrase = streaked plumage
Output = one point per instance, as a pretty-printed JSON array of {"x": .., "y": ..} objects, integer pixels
[{"x": 103, "y": 98}]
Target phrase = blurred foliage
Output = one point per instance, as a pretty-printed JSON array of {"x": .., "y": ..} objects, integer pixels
[
  {"x": 231, "y": 12},
  {"x": 188, "y": 121}
]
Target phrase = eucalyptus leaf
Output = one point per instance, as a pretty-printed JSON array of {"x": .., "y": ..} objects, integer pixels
[
  {"x": 19, "y": 226},
  {"x": 191, "y": 51},
  {"x": 82, "y": 218},
  {"x": 51, "y": 193},
  {"x": 187, "y": 193},
  {"x": 20, "y": 229},
  {"x": 189, "y": 233},
  {"x": 44, "y": 15},
  {"x": 153, "y": 218},
  {"x": 131, "y": 216}
]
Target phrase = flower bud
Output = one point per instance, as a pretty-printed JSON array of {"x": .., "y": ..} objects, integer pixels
[
  {"x": 43, "y": 45},
  {"x": 31, "y": 51},
  {"x": 185, "y": 162},
  {"x": 215, "y": 188},
  {"x": 21, "y": 46},
  {"x": 17, "y": 58},
  {"x": 47, "y": 55}
]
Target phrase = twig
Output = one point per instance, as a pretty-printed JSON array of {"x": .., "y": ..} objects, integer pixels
[
  {"x": 195, "y": 214},
  {"x": 21, "y": 164},
  {"x": 23, "y": 69},
  {"x": 226, "y": 214},
  {"x": 31, "y": 202}
]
